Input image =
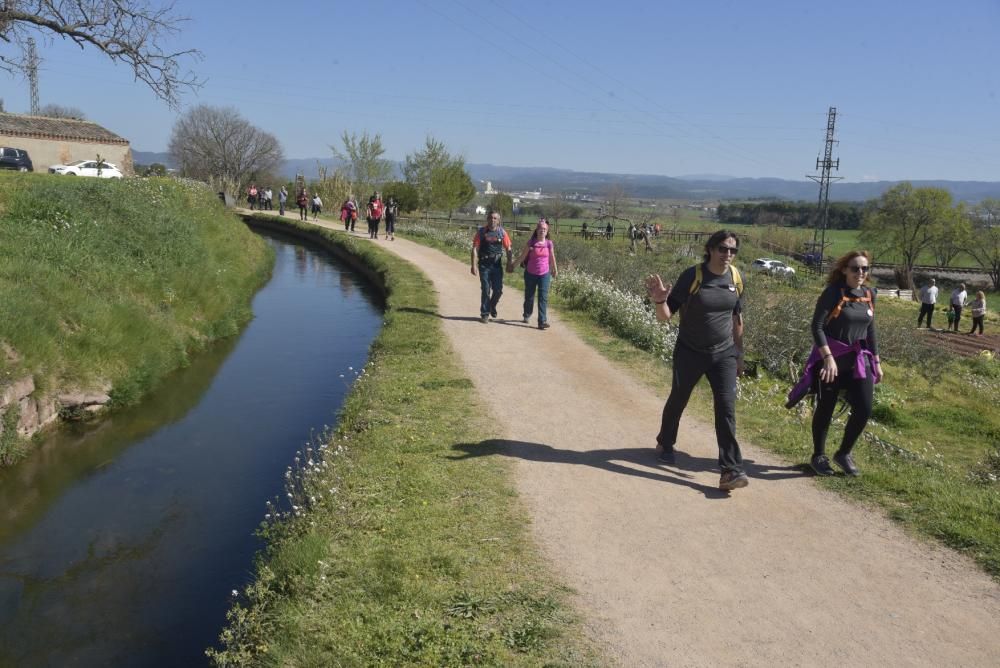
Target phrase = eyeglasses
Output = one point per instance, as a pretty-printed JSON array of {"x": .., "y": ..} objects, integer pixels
[
  {"x": 858, "y": 270},
  {"x": 732, "y": 250}
]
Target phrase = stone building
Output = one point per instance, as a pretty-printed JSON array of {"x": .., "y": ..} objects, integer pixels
[{"x": 54, "y": 141}]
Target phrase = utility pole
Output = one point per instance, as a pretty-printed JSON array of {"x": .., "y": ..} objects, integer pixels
[
  {"x": 32, "y": 67},
  {"x": 826, "y": 165}
]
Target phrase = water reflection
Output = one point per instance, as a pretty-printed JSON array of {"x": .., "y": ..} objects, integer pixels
[{"x": 120, "y": 542}]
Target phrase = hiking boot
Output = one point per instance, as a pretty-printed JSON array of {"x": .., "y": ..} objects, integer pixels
[
  {"x": 484, "y": 318},
  {"x": 543, "y": 325},
  {"x": 821, "y": 465},
  {"x": 846, "y": 462},
  {"x": 733, "y": 480},
  {"x": 666, "y": 455}
]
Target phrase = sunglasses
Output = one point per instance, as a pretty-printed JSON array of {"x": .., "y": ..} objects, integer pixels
[
  {"x": 858, "y": 270},
  {"x": 732, "y": 250}
]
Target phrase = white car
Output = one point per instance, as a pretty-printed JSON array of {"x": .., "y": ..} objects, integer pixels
[
  {"x": 87, "y": 168},
  {"x": 769, "y": 266}
]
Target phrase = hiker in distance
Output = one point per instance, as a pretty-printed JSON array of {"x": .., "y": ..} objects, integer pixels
[
  {"x": 709, "y": 343},
  {"x": 489, "y": 245},
  {"x": 539, "y": 261},
  {"x": 845, "y": 353}
]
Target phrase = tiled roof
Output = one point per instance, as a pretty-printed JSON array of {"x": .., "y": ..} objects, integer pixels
[{"x": 40, "y": 127}]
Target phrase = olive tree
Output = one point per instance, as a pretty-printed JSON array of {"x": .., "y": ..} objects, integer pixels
[
  {"x": 133, "y": 32},
  {"x": 219, "y": 146}
]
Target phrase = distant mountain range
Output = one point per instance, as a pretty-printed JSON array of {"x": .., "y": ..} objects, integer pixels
[{"x": 650, "y": 186}]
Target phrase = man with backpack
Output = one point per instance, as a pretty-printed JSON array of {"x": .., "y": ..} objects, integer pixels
[{"x": 488, "y": 248}]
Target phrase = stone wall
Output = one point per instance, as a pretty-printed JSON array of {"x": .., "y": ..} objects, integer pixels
[{"x": 37, "y": 412}]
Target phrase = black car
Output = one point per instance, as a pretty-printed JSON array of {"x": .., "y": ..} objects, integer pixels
[{"x": 15, "y": 158}]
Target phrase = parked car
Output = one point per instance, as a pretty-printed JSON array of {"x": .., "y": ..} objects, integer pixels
[
  {"x": 774, "y": 267},
  {"x": 15, "y": 158},
  {"x": 87, "y": 168}
]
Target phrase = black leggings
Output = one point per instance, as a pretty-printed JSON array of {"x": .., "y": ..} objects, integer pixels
[
  {"x": 858, "y": 392},
  {"x": 977, "y": 321}
]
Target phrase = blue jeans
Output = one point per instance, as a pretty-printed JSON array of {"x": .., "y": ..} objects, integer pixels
[
  {"x": 531, "y": 282},
  {"x": 490, "y": 286}
]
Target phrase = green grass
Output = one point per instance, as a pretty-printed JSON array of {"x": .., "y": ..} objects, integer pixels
[
  {"x": 114, "y": 283},
  {"x": 927, "y": 456},
  {"x": 409, "y": 546}
]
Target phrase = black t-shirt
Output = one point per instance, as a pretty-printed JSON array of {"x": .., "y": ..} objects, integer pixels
[
  {"x": 707, "y": 315},
  {"x": 856, "y": 321}
]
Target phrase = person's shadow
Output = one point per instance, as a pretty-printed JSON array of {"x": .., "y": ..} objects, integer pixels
[
  {"x": 466, "y": 318},
  {"x": 617, "y": 460}
]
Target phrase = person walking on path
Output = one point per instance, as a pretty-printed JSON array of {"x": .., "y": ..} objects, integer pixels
[
  {"x": 282, "y": 200},
  {"x": 845, "y": 353},
  {"x": 317, "y": 206},
  {"x": 391, "y": 211},
  {"x": 488, "y": 247},
  {"x": 958, "y": 299},
  {"x": 374, "y": 215},
  {"x": 978, "y": 310},
  {"x": 928, "y": 298},
  {"x": 302, "y": 200},
  {"x": 709, "y": 343},
  {"x": 539, "y": 261},
  {"x": 252, "y": 196}
]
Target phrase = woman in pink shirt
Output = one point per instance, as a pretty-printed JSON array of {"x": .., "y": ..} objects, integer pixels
[{"x": 539, "y": 261}]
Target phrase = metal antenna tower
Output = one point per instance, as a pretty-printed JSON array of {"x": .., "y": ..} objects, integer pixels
[
  {"x": 32, "y": 67},
  {"x": 823, "y": 179}
]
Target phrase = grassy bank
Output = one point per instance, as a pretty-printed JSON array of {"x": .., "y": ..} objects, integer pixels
[
  {"x": 930, "y": 455},
  {"x": 112, "y": 284},
  {"x": 388, "y": 549}
]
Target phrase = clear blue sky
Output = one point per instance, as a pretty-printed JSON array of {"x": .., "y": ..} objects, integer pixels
[{"x": 735, "y": 88}]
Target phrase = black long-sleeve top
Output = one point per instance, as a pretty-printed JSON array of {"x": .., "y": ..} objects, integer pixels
[{"x": 856, "y": 320}]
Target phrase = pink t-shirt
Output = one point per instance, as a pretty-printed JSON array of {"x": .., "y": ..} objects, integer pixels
[{"x": 537, "y": 263}]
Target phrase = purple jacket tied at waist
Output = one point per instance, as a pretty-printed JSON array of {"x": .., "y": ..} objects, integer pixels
[{"x": 815, "y": 363}]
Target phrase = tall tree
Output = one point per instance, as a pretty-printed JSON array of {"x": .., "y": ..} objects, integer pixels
[
  {"x": 984, "y": 240},
  {"x": 952, "y": 237},
  {"x": 133, "y": 32},
  {"x": 366, "y": 168},
  {"x": 420, "y": 165},
  {"x": 405, "y": 195},
  {"x": 904, "y": 222},
  {"x": 503, "y": 204},
  {"x": 451, "y": 187},
  {"x": 218, "y": 145}
]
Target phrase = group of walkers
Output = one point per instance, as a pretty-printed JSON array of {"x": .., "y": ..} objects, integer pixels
[
  {"x": 709, "y": 296},
  {"x": 259, "y": 198},
  {"x": 375, "y": 212},
  {"x": 956, "y": 304}
]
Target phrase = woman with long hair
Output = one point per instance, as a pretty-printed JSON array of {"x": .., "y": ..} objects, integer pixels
[
  {"x": 844, "y": 358},
  {"x": 539, "y": 261},
  {"x": 709, "y": 343}
]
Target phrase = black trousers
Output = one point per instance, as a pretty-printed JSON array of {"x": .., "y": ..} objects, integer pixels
[
  {"x": 857, "y": 391},
  {"x": 928, "y": 310},
  {"x": 720, "y": 368},
  {"x": 977, "y": 321},
  {"x": 958, "y": 314}
]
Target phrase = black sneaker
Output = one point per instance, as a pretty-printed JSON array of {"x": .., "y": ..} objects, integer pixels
[
  {"x": 493, "y": 314},
  {"x": 733, "y": 480},
  {"x": 846, "y": 462},
  {"x": 666, "y": 455},
  {"x": 525, "y": 319},
  {"x": 484, "y": 318},
  {"x": 543, "y": 325},
  {"x": 821, "y": 465}
]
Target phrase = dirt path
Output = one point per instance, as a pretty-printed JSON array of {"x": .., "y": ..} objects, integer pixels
[{"x": 669, "y": 570}]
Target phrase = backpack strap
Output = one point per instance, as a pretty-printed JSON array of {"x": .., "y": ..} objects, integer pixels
[
  {"x": 845, "y": 298},
  {"x": 698, "y": 276}
]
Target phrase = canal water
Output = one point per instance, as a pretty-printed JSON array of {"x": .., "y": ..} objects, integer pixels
[{"x": 120, "y": 542}]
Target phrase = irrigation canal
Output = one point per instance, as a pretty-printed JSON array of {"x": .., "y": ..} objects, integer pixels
[{"x": 121, "y": 541}]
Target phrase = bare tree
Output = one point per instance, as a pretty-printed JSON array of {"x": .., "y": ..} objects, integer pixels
[
  {"x": 221, "y": 147},
  {"x": 59, "y": 111},
  {"x": 127, "y": 31}
]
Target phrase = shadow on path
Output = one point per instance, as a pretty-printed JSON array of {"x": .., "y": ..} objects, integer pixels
[{"x": 466, "y": 318}]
